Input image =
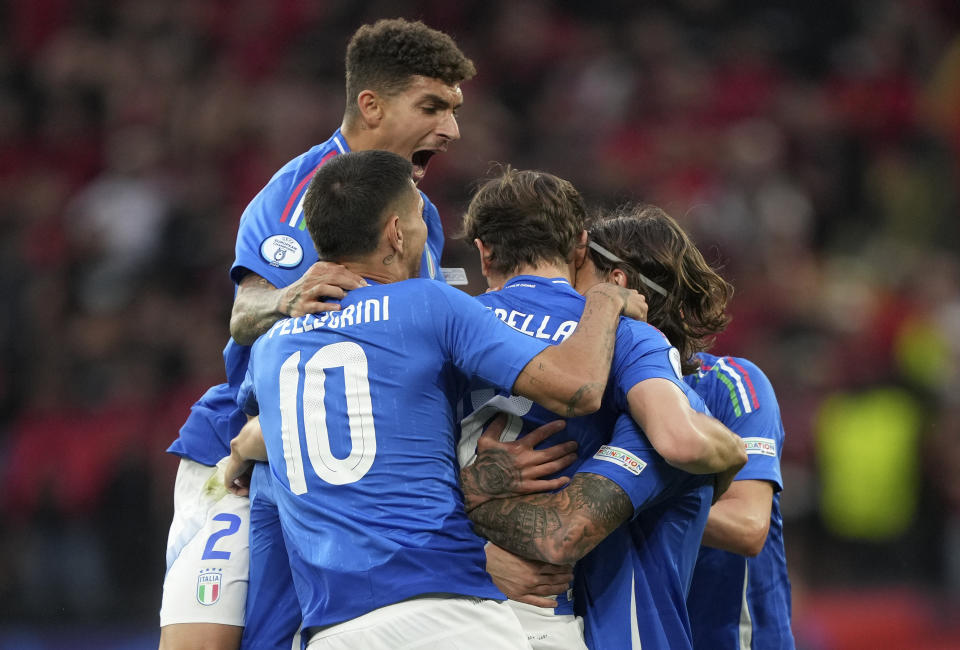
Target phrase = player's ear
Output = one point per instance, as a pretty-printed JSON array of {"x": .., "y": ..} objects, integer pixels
[
  {"x": 618, "y": 277},
  {"x": 485, "y": 256},
  {"x": 394, "y": 233},
  {"x": 370, "y": 105},
  {"x": 580, "y": 251}
]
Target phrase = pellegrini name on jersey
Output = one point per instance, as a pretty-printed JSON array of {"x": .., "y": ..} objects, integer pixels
[{"x": 366, "y": 311}]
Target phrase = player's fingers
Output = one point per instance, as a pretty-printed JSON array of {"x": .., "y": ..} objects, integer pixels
[
  {"x": 335, "y": 274},
  {"x": 546, "y": 469},
  {"x": 551, "y": 588},
  {"x": 556, "y": 574},
  {"x": 537, "y": 601},
  {"x": 322, "y": 290},
  {"x": 533, "y": 486},
  {"x": 548, "y": 454},
  {"x": 491, "y": 434},
  {"x": 543, "y": 432},
  {"x": 239, "y": 489},
  {"x": 317, "y": 307}
]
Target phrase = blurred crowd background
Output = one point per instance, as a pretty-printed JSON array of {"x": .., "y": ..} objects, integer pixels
[{"x": 812, "y": 149}]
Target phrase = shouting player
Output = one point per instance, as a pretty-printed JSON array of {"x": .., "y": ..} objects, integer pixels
[{"x": 403, "y": 91}]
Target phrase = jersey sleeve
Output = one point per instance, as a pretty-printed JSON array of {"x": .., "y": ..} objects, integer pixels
[
  {"x": 246, "y": 397},
  {"x": 741, "y": 396},
  {"x": 630, "y": 461},
  {"x": 479, "y": 343},
  {"x": 642, "y": 353},
  {"x": 272, "y": 240}
]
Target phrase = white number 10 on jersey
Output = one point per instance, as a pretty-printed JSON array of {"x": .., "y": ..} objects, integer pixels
[{"x": 363, "y": 437}]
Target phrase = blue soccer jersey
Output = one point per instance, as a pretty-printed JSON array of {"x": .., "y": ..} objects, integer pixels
[
  {"x": 631, "y": 589},
  {"x": 273, "y": 242},
  {"x": 548, "y": 309},
  {"x": 358, "y": 413},
  {"x": 739, "y": 602}
]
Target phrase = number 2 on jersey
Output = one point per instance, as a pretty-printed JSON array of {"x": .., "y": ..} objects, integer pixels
[{"x": 363, "y": 438}]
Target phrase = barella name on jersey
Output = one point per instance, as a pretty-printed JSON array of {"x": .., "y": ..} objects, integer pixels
[
  {"x": 365, "y": 311},
  {"x": 536, "y": 326}
]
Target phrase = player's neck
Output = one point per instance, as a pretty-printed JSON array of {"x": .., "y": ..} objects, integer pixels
[
  {"x": 358, "y": 137},
  {"x": 542, "y": 270},
  {"x": 378, "y": 270}
]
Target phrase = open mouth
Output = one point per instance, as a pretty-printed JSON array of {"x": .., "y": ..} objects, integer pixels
[{"x": 420, "y": 160}]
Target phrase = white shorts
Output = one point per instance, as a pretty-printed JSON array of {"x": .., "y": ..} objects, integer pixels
[
  {"x": 208, "y": 556},
  {"x": 548, "y": 631},
  {"x": 434, "y": 622}
]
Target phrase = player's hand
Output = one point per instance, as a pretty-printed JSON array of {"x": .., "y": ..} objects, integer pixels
[
  {"x": 527, "y": 581},
  {"x": 322, "y": 280},
  {"x": 506, "y": 469},
  {"x": 236, "y": 475},
  {"x": 634, "y": 305}
]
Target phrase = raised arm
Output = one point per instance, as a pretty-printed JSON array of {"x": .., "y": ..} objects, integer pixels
[
  {"x": 258, "y": 304},
  {"x": 687, "y": 439},
  {"x": 569, "y": 379}
]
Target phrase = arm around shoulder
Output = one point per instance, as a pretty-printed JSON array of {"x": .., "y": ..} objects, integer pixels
[
  {"x": 687, "y": 439},
  {"x": 258, "y": 304},
  {"x": 570, "y": 378}
]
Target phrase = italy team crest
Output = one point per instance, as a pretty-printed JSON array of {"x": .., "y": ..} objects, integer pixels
[{"x": 208, "y": 586}]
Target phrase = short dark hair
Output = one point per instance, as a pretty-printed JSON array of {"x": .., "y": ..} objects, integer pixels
[
  {"x": 348, "y": 199},
  {"x": 385, "y": 55},
  {"x": 525, "y": 218},
  {"x": 651, "y": 242}
]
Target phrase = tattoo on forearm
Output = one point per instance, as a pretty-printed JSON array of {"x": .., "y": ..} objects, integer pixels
[
  {"x": 560, "y": 527},
  {"x": 254, "y": 310}
]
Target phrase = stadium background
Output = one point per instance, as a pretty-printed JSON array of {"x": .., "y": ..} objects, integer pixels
[{"x": 812, "y": 148}]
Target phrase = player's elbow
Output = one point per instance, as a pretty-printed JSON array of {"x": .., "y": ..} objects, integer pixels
[
  {"x": 583, "y": 399},
  {"x": 753, "y": 536},
  {"x": 589, "y": 402},
  {"x": 238, "y": 332},
  {"x": 568, "y": 549},
  {"x": 682, "y": 448}
]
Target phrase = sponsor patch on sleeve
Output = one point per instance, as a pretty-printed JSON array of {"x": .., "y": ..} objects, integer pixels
[
  {"x": 621, "y": 457},
  {"x": 762, "y": 446},
  {"x": 281, "y": 250}
]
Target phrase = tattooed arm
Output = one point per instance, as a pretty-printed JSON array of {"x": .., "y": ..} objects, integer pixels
[
  {"x": 558, "y": 528},
  {"x": 258, "y": 304},
  {"x": 569, "y": 379}
]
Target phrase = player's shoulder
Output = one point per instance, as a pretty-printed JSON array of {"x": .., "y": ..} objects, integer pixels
[
  {"x": 733, "y": 367},
  {"x": 736, "y": 377},
  {"x": 428, "y": 206},
  {"x": 641, "y": 332},
  {"x": 429, "y": 290}
]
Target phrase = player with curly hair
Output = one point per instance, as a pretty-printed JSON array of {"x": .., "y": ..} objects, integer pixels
[{"x": 403, "y": 91}]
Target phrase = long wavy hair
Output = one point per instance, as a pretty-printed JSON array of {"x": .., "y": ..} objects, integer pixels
[{"x": 651, "y": 242}]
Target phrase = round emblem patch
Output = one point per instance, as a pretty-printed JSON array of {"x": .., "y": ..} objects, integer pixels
[
  {"x": 675, "y": 362},
  {"x": 281, "y": 250}
]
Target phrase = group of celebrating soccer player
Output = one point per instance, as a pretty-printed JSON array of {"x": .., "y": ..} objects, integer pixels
[{"x": 385, "y": 468}]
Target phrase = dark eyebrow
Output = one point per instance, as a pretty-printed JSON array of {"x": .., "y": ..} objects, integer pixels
[{"x": 437, "y": 101}]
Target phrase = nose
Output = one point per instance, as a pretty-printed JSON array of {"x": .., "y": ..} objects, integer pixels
[{"x": 449, "y": 128}]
